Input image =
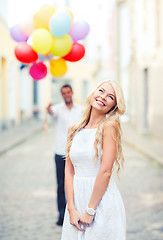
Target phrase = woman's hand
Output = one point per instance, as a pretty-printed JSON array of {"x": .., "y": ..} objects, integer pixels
[
  {"x": 86, "y": 219},
  {"x": 75, "y": 219}
]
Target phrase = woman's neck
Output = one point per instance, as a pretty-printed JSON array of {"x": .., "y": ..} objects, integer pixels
[{"x": 95, "y": 118}]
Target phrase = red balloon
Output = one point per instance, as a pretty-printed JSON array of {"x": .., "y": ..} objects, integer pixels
[
  {"x": 76, "y": 53},
  {"x": 38, "y": 70},
  {"x": 24, "y": 53}
]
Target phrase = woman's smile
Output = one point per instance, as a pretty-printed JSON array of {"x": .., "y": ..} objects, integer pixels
[{"x": 100, "y": 102}]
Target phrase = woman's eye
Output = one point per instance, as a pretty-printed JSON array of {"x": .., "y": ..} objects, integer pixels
[
  {"x": 111, "y": 97},
  {"x": 100, "y": 90}
]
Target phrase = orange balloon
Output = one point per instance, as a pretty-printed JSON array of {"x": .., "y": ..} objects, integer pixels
[
  {"x": 41, "y": 18},
  {"x": 58, "y": 67}
]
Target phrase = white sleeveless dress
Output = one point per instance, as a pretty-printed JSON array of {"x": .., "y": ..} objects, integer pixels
[{"x": 110, "y": 220}]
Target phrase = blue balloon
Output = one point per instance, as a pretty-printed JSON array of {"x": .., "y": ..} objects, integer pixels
[
  {"x": 45, "y": 57},
  {"x": 42, "y": 57},
  {"x": 60, "y": 24}
]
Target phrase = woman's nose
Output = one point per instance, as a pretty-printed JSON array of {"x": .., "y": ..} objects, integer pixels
[{"x": 103, "y": 96}]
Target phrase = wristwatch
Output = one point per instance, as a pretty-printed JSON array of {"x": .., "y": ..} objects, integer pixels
[{"x": 91, "y": 211}]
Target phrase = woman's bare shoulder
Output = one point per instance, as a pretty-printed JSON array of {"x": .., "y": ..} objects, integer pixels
[{"x": 112, "y": 124}]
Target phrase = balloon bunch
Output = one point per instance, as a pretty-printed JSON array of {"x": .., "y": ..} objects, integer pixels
[{"x": 49, "y": 36}]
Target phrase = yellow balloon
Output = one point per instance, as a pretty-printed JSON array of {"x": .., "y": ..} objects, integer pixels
[
  {"x": 61, "y": 45},
  {"x": 41, "y": 18},
  {"x": 68, "y": 10},
  {"x": 42, "y": 41},
  {"x": 58, "y": 67}
]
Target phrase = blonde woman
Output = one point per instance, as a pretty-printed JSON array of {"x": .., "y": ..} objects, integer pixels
[{"x": 95, "y": 208}]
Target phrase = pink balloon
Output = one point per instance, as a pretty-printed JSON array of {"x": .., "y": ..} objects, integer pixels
[
  {"x": 38, "y": 71},
  {"x": 79, "y": 30},
  {"x": 17, "y": 34}
]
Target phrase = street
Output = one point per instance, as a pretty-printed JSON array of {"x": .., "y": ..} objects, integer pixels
[{"x": 28, "y": 209}]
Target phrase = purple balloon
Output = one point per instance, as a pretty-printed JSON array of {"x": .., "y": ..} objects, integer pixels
[
  {"x": 79, "y": 30},
  {"x": 17, "y": 34}
]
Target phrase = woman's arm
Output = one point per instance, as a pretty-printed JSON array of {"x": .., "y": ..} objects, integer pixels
[
  {"x": 69, "y": 177},
  {"x": 104, "y": 174}
]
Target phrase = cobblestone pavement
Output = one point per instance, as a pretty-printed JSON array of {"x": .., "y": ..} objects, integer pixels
[{"x": 28, "y": 193}]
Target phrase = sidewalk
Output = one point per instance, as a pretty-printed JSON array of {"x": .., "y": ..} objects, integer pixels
[
  {"x": 150, "y": 146},
  {"x": 16, "y": 135}
]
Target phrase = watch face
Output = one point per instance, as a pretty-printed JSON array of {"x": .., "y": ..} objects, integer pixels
[{"x": 91, "y": 211}]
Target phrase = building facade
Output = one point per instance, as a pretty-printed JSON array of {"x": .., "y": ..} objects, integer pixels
[
  {"x": 21, "y": 98},
  {"x": 140, "y": 62},
  {"x": 9, "y": 113}
]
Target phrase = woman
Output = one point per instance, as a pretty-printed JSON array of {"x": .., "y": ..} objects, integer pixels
[{"x": 95, "y": 208}]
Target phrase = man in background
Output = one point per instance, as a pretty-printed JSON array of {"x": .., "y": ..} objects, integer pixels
[{"x": 65, "y": 114}]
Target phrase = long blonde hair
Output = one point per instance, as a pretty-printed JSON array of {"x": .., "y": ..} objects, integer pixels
[{"x": 113, "y": 115}]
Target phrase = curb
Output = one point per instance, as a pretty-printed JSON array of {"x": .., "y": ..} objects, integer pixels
[
  {"x": 153, "y": 156},
  {"x": 19, "y": 141}
]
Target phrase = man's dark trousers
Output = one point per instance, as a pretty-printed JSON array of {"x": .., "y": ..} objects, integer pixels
[{"x": 60, "y": 173}]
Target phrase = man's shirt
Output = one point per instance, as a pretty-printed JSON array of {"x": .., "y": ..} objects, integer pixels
[{"x": 64, "y": 118}]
